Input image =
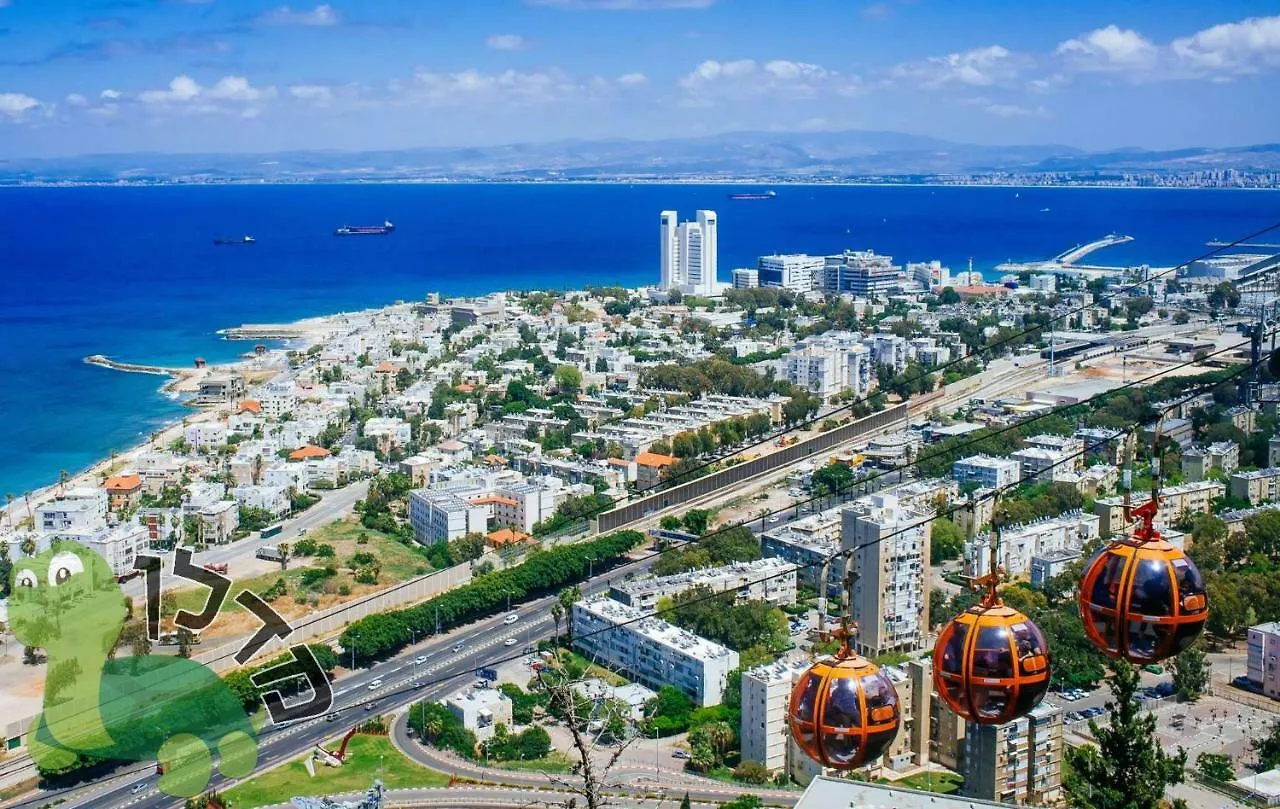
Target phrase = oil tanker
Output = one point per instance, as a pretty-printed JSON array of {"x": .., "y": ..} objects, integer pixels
[{"x": 365, "y": 230}]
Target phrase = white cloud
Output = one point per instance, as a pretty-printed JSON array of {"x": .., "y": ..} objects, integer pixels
[
  {"x": 1249, "y": 46},
  {"x": 511, "y": 87},
  {"x": 744, "y": 78},
  {"x": 109, "y": 94},
  {"x": 506, "y": 42},
  {"x": 1015, "y": 111},
  {"x": 1110, "y": 48},
  {"x": 76, "y": 100},
  {"x": 320, "y": 16},
  {"x": 623, "y": 5},
  {"x": 980, "y": 67},
  {"x": 15, "y": 105},
  {"x": 182, "y": 88},
  {"x": 632, "y": 79},
  {"x": 315, "y": 93},
  {"x": 237, "y": 88}
]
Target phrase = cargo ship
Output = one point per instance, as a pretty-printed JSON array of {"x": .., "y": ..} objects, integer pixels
[
  {"x": 365, "y": 230},
  {"x": 765, "y": 195},
  {"x": 241, "y": 240}
]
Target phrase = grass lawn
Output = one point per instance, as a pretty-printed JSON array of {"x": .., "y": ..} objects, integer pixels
[
  {"x": 554, "y": 762},
  {"x": 365, "y": 755},
  {"x": 398, "y": 563},
  {"x": 568, "y": 656},
  {"x": 941, "y": 783}
]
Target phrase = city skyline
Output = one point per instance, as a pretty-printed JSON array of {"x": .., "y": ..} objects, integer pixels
[{"x": 255, "y": 76}]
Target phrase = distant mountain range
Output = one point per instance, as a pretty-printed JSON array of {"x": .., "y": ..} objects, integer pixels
[{"x": 859, "y": 154}]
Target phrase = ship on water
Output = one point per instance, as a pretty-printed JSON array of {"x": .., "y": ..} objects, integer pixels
[
  {"x": 241, "y": 240},
  {"x": 765, "y": 195},
  {"x": 366, "y": 230}
]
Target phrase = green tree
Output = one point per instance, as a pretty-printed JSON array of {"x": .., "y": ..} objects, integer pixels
[
  {"x": 743, "y": 802},
  {"x": 185, "y": 641},
  {"x": 685, "y": 803},
  {"x": 1268, "y": 749},
  {"x": 1190, "y": 673},
  {"x": 1128, "y": 769},
  {"x": 946, "y": 541},
  {"x": 695, "y": 521},
  {"x": 568, "y": 379},
  {"x": 1215, "y": 766},
  {"x": 948, "y": 296}
]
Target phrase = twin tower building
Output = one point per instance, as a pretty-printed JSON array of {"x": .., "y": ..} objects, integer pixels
[{"x": 688, "y": 253}]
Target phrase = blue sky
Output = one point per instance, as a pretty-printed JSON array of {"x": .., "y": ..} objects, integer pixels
[{"x": 251, "y": 75}]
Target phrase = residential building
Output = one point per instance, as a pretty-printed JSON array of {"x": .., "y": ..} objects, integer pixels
[
  {"x": 986, "y": 471},
  {"x": 1044, "y": 566},
  {"x": 388, "y": 432},
  {"x": 272, "y": 499},
  {"x": 1191, "y": 498},
  {"x": 746, "y": 278},
  {"x": 1044, "y": 465},
  {"x": 890, "y": 548},
  {"x": 1273, "y": 451},
  {"x": 1019, "y": 544},
  {"x": 1102, "y": 443},
  {"x": 1071, "y": 446},
  {"x": 652, "y": 651},
  {"x": 808, "y": 544},
  {"x": 829, "y": 363},
  {"x": 1259, "y": 486},
  {"x": 118, "y": 545},
  {"x": 688, "y": 253},
  {"x": 770, "y": 579},
  {"x": 480, "y": 710},
  {"x": 797, "y": 272},
  {"x": 123, "y": 491},
  {"x": 218, "y": 521},
  {"x": 766, "y": 697},
  {"x": 418, "y": 468},
  {"x": 1264, "y": 658},
  {"x": 650, "y": 467},
  {"x": 1016, "y": 762},
  {"x": 1199, "y": 462},
  {"x": 440, "y": 514},
  {"x": 220, "y": 389},
  {"x": 77, "y": 510}
]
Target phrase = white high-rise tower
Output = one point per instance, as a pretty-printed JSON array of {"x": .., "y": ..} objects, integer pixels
[
  {"x": 670, "y": 251},
  {"x": 688, "y": 258}
]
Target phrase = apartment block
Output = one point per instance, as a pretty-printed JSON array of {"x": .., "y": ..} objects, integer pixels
[
  {"x": 1199, "y": 462},
  {"x": 890, "y": 552},
  {"x": 1258, "y": 486},
  {"x": 1193, "y": 498},
  {"x": 1016, "y": 762},
  {"x": 771, "y": 579},
  {"x": 986, "y": 471},
  {"x": 652, "y": 651},
  {"x": 1264, "y": 658},
  {"x": 1020, "y": 544},
  {"x": 766, "y": 696},
  {"x": 1044, "y": 465}
]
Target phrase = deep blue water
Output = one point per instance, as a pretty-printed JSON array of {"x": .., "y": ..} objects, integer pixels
[{"x": 132, "y": 273}]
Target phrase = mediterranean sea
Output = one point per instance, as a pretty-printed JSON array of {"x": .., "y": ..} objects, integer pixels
[{"x": 132, "y": 273}]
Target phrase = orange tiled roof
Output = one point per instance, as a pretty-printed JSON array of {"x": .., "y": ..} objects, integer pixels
[
  {"x": 496, "y": 460},
  {"x": 492, "y": 498},
  {"x": 654, "y": 459},
  {"x": 123, "y": 483},
  {"x": 309, "y": 451},
  {"x": 386, "y": 368},
  {"x": 506, "y": 536},
  {"x": 250, "y": 406},
  {"x": 466, "y": 387}
]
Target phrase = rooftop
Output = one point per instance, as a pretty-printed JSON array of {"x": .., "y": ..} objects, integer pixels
[{"x": 836, "y": 793}]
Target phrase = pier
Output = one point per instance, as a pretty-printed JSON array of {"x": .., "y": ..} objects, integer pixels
[
  {"x": 132, "y": 367},
  {"x": 1065, "y": 262},
  {"x": 1078, "y": 252}
]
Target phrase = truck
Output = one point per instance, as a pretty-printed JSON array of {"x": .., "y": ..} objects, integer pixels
[
  {"x": 270, "y": 532},
  {"x": 269, "y": 552}
]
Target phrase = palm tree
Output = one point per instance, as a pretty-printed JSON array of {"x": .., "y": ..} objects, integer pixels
[
  {"x": 63, "y": 477},
  {"x": 721, "y": 736},
  {"x": 8, "y": 508},
  {"x": 284, "y": 555},
  {"x": 557, "y": 612},
  {"x": 257, "y": 469},
  {"x": 27, "y": 546},
  {"x": 565, "y": 598}
]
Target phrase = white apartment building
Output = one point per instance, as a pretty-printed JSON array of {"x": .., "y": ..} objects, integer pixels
[
  {"x": 986, "y": 471},
  {"x": 1258, "y": 486},
  {"x": 480, "y": 710},
  {"x": 888, "y": 349},
  {"x": 829, "y": 363},
  {"x": 1199, "y": 462},
  {"x": 796, "y": 271},
  {"x": 117, "y": 545},
  {"x": 1192, "y": 498},
  {"x": 766, "y": 697},
  {"x": 652, "y": 651},
  {"x": 929, "y": 274},
  {"x": 1020, "y": 544},
  {"x": 218, "y": 521},
  {"x": 1017, "y": 762},
  {"x": 79, "y": 510},
  {"x": 1264, "y": 658},
  {"x": 392, "y": 432},
  {"x": 746, "y": 278},
  {"x": 688, "y": 253},
  {"x": 890, "y": 547},
  {"x": 1071, "y": 446},
  {"x": 274, "y": 499},
  {"x": 442, "y": 515},
  {"x": 278, "y": 398},
  {"x": 205, "y": 435},
  {"x": 772, "y": 580},
  {"x": 1044, "y": 465},
  {"x": 927, "y": 352}
]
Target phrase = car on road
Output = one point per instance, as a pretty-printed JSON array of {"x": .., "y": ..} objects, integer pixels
[
  {"x": 376, "y": 684},
  {"x": 331, "y": 717},
  {"x": 302, "y": 532},
  {"x": 773, "y": 519},
  {"x": 679, "y": 754},
  {"x": 511, "y": 619},
  {"x": 138, "y": 787},
  {"x": 457, "y": 647},
  {"x": 510, "y": 642},
  {"x": 369, "y": 706},
  {"x": 419, "y": 660}
]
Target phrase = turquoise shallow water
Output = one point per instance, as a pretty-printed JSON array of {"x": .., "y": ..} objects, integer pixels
[{"x": 132, "y": 272}]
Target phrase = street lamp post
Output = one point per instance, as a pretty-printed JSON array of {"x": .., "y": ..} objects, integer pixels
[{"x": 354, "y": 640}]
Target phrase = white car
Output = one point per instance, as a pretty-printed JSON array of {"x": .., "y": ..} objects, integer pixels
[
  {"x": 510, "y": 642},
  {"x": 376, "y": 684},
  {"x": 419, "y": 660},
  {"x": 511, "y": 619}
]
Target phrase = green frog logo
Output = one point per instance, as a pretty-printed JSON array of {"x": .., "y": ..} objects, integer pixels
[{"x": 150, "y": 708}]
